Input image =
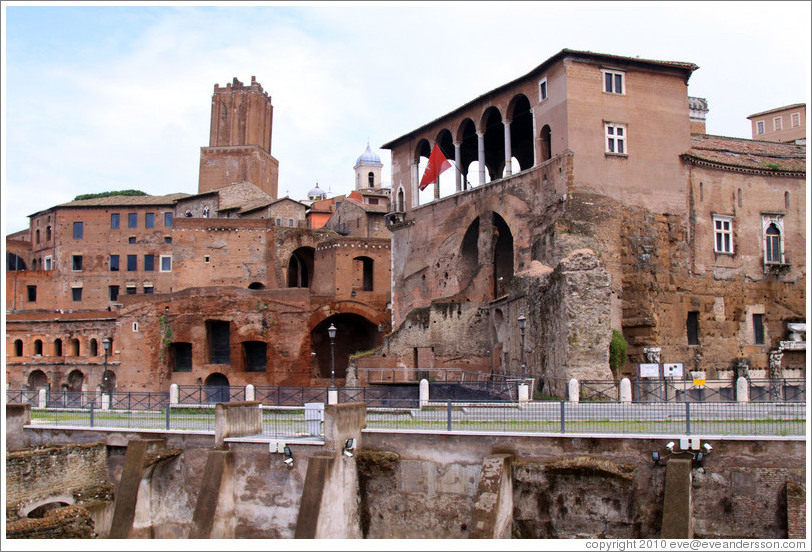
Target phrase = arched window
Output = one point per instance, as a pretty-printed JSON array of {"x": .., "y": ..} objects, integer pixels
[
  {"x": 48, "y": 234},
  {"x": 371, "y": 179},
  {"x": 37, "y": 380},
  {"x": 74, "y": 347},
  {"x": 58, "y": 347},
  {"x": 300, "y": 267},
  {"x": 94, "y": 347},
  {"x": 18, "y": 347},
  {"x": 401, "y": 203},
  {"x": 772, "y": 244},
  {"x": 38, "y": 347},
  {"x": 546, "y": 143},
  {"x": 37, "y": 235}
]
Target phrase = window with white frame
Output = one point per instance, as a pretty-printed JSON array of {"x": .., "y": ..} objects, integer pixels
[
  {"x": 760, "y": 127},
  {"x": 615, "y": 134},
  {"x": 773, "y": 237},
  {"x": 723, "y": 234},
  {"x": 613, "y": 81},
  {"x": 543, "y": 89},
  {"x": 796, "y": 119},
  {"x": 777, "y": 123},
  {"x": 166, "y": 263}
]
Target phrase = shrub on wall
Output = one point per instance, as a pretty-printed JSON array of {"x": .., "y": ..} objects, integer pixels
[{"x": 617, "y": 351}]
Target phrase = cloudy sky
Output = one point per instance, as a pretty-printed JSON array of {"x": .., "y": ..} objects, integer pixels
[{"x": 118, "y": 96}]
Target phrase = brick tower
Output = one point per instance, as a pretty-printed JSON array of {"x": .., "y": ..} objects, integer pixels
[{"x": 240, "y": 139}]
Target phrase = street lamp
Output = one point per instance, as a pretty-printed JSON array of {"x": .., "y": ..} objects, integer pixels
[
  {"x": 331, "y": 331},
  {"x": 522, "y": 324},
  {"x": 106, "y": 345}
]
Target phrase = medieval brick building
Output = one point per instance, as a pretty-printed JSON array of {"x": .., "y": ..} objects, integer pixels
[
  {"x": 586, "y": 196},
  {"x": 226, "y": 286}
]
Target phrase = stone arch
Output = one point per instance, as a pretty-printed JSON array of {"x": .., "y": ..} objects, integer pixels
[
  {"x": 75, "y": 380},
  {"x": 492, "y": 126},
  {"x": 217, "y": 388},
  {"x": 256, "y": 285},
  {"x": 37, "y": 380},
  {"x": 469, "y": 149},
  {"x": 521, "y": 132},
  {"x": 109, "y": 382},
  {"x": 300, "y": 267},
  {"x": 469, "y": 251},
  {"x": 502, "y": 255},
  {"x": 353, "y": 333},
  {"x": 37, "y": 508}
]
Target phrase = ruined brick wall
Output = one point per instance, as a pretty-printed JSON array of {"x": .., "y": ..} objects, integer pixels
[
  {"x": 67, "y": 473},
  {"x": 71, "y": 522}
]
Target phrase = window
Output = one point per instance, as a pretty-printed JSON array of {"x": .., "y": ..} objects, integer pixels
[
  {"x": 77, "y": 262},
  {"x": 132, "y": 263},
  {"x": 37, "y": 234},
  {"x": 772, "y": 244},
  {"x": 773, "y": 228},
  {"x": 543, "y": 89},
  {"x": 149, "y": 220},
  {"x": 48, "y": 233},
  {"x": 723, "y": 234},
  {"x": 290, "y": 223},
  {"x": 166, "y": 263},
  {"x": 48, "y": 263},
  {"x": 758, "y": 329},
  {"x": 168, "y": 219},
  {"x": 167, "y": 239},
  {"x": 78, "y": 230},
  {"x": 692, "y": 327},
  {"x": 796, "y": 119},
  {"x": 613, "y": 81},
  {"x": 219, "y": 341},
  {"x": 148, "y": 289},
  {"x": 760, "y": 127},
  {"x": 76, "y": 293},
  {"x": 149, "y": 263},
  {"x": 615, "y": 138},
  {"x": 131, "y": 239},
  {"x": 32, "y": 294},
  {"x": 181, "y": 354},
  {"x": 18, "y": 347},
  {"x": 130, "y": 289},
  {"x": 115, "y": 220},
  {"x": 113, "y": 293},
  {"x": 255, "y": 356},
  {"x": 114, "y": 263},
  {"x": 132, "y": 220},
  {"x": 279, "y": 222},
  {"x": 777, "y": 123}
]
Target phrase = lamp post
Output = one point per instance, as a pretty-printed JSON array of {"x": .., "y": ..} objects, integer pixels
[
  {"x": 106, "y": 345},
  {"x": 331, "y": 331},
  {"x": 522, "y": 324}
]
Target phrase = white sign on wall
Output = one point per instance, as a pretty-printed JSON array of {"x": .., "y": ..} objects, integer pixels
[
  {"x": 672, "y": 370},
  {"x": 650, "y": 370}
]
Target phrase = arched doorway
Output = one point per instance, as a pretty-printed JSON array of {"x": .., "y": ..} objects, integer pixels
[
  {"x": 217, "y": 388},
  {"x": 300, "y": 267},
  {"x": 502, "y": 256},
  {"x": 353, "y": 333},
  {"x": 37, "y": 380}
]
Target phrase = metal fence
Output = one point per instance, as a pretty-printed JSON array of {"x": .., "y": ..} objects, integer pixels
[
  {"x": 563, "y": 417},
  {"x": 680, "y": 390}
]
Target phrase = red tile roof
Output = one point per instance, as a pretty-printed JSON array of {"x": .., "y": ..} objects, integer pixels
[{"x": 748, "y": 154}]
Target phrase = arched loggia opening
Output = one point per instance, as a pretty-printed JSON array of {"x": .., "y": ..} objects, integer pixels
[
  {"x": 300, "y": 268},
  {"x": 494, "y": 143},
  {"x": 37, "y": 380},
  {"x": 521, "y": 133},
  {"x": 469, "y": 153},
  {"x": 353, "y": 333}
]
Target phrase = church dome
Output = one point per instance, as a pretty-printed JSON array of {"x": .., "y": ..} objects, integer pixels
[
  {"x": 316, "y": 193},
  {"x": 368, "y": 158}
]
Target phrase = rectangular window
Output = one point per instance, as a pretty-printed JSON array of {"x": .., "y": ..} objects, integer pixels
[
  {"x": 113, "y": 293},
  {"x": 48, "y": 263},
  {"x": 219, "y": 332},
  {"x": 149, "y": 263},
  {"x": 290, "y": 223},
  {"x": 76, "y": 293},
  {"x": 132, "y": 263},
  {"x": 78, "y": 230},
  {"x": 543, "y": 89},
  {"x": 168, "y": 219},
  {"x": 148, "y": 289},
  {"x": 613, "y": 81},
  {"x": 166, "y": 263},
  {"x": 760, "y": 127},
  {"x": 758, "y": 329},
  {"x": 130, "y": 290},
  {"x": 32, "y": 294},
  {"x": 131, "y": 239},
  {"x": 615, "y": 138},
  {"x": 181, "y": 354},
  {"x": 723, "y": 234},
  {"x": 114, "y": 267},
  {"x": 149, "y": 220},
  {"x": 692, "y": 326},
  {"x": 777, "y": 123},
  {"x": 77, "y": 262},
  {"x": 796, "y": 119},
  {"x": 132, "y": 220},
  {"x": 115, "y": 220},
  {"x": 167, "y": 239}
]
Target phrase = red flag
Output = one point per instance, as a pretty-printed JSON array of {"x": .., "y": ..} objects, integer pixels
[{"x": 437, "y": 164}]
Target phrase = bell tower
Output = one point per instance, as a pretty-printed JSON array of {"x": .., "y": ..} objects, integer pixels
[
  {"x": 368, "y": 169},
  {"x": 239, "y": 139}
]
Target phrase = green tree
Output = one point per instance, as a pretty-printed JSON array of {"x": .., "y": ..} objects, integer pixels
[{"x": 617, "y": 351}]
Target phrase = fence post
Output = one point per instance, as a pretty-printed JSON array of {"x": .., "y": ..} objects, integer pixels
[
  {"x": 742, "y": 390},
  {"x": 561, "y": 416},
  {"x": 168, "y": 410},
  {"x": 574, "y": 391},
  {"x": 687, "y": 418},
  {"x": 625, "y": 390},
  {"x": 91, "y": 413},
  {"x": 42, "y": 399},
  {"x": 449, "y": 415},
  {"x": 174, "y": 392},
  {"x": 424, "y": 392},
  {"x": 250, "y": 393}
]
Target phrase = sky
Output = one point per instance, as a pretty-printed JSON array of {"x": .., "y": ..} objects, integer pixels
[{"x": 117, "y": 96}]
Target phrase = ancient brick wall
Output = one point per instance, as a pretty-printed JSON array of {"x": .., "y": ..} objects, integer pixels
[{"x": 71, "y": 522}]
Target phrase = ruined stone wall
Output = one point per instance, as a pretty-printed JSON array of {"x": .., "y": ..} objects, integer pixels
[{"x": 70, "y": 473}]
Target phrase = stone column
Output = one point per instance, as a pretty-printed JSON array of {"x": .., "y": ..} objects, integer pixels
[
  {"x": 508, "y": 149},
  {"x": 574, "y": 391},
  {"x": 424, "y": 393},
  {"x": 458, "y": 163},
  {"x": 480, "y": 138},
  {"x": 625, "y": 390},
  {"x": 332, "y": 395},
  {"x": 250, "y": 392},
  {"x": 742, "y": 390},
  {"x": 42, "y": 398},
  {"x": 524, "y": 394},
  {"x": 414, "y": 184},
  {"x": 174, "y": 394}
]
